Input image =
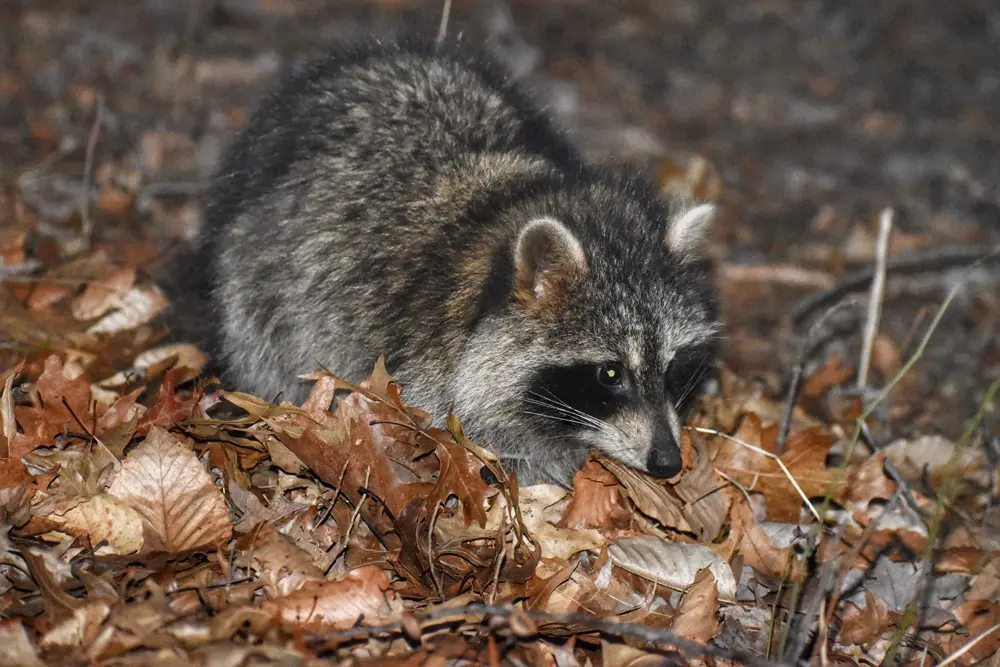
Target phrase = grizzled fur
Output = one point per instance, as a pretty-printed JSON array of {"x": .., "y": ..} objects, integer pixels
[{"x": 378, "y": 202}]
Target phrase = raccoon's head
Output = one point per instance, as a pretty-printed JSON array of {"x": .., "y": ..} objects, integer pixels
[{"x": 610, "y": 327}]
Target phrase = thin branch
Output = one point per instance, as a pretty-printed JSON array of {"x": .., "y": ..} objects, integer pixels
[
  {"x": 605, "y": 626},
  {"x": 921, "y": 261},
  {"x": 877, "y": 295},
  {"x": 809, "y": 342},
  {"x": 443, "y": 25}
]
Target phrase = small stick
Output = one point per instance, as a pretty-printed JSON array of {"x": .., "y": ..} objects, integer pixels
[
  {"x": 609, "y": 627},
  {"x": 877, "y": 295},
  {"x": 443, "y": 26},
  {"x": 805, "y": 351},
  {"x": 86, "y": 224},
  {"x": 920, "y": 261}
]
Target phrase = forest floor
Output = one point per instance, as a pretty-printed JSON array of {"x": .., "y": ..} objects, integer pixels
[{"x": 139, "y": 526}]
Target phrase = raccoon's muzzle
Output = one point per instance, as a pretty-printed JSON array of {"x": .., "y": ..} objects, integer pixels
[{"x": 664, "y": 453}]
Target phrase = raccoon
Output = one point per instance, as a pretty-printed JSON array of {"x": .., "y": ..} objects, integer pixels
[{"x": 406, "y": 198}]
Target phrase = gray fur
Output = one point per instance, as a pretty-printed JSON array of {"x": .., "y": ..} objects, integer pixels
[{"x": 374, "y": 205}]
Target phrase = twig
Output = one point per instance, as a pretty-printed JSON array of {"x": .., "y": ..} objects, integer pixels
[
  {"x": 920, "y": 261},
  {"x": 430, "y": 553},
  {"x": 877, "y": 295},
  {"x": 86, "y": 224},
  {"x": 776, "y": 274},
  {"x": 443, "y": 25},
  {"x": 350, "y": 525},
  {"x": 809, "y": 342},
  {"x": 605, "y": 626}
]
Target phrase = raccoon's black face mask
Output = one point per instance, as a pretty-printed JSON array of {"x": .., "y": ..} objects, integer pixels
[
  {"x": 633, "y": 414},
  {"x": 622, "y": 369}
]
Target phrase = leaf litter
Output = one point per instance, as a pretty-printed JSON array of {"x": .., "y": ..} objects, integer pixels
[{"x": 148, "y": 515}]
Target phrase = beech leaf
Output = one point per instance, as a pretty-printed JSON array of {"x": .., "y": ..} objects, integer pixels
[{"x": 167, "y": 485}]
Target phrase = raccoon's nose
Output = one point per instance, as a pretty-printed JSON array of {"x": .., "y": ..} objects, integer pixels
[{"x": 664, "y": 457}]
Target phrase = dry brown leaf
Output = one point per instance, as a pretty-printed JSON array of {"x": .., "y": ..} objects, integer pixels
[
  {"x": 334, "y": 605},
  {"x": 187, "y": 355},
  {"x": 977, "y": 616},
  {"x": 706, "y": 496},
  {"x": 757, "y": 548},
  {"x": 80, "y": 629},
  {"x": 596, "y": 501},
  {"x": 45, "y": 294},
  {"x": 832, "y": 374},
  {"x": 283, "y": 567},
  {"x": 460, "y": 477},
  {"x": 615, "y": 654},
  {"x": 804, "y": 457},
  {"x": 166, "y": 484},
  {"x": 652, "y": 498},
  {"x": 671, "y": 564},
  {"x": 558, "y": 543},
  {"x": 698, "y": 615},
  {"x": 104, "y": 518},
  {"x": 105, "y": 295},
  {"x": 15, "y": 647},
  {"x": 137, "y": 307},
  {"x": 861, "y": 626}
]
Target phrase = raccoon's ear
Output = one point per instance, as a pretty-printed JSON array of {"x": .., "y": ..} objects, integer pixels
[
  {"x": 686, "y": 236},
  {"x": 547, "y": 259}
]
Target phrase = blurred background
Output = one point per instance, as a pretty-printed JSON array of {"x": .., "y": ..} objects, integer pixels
[{"x": 804, "y": 118}]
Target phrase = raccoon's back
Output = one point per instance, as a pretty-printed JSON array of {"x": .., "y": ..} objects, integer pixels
[{"x": 323, "y": 208}]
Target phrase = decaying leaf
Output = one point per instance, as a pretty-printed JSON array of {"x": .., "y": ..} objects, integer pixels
[
  {"x": 15, "y": 647},
  {"x": 652, "y": 498},
  {"x": 105, "y": 518}
]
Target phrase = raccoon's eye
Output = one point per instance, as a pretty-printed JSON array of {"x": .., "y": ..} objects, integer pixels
[{"x": 611, "y": 375}]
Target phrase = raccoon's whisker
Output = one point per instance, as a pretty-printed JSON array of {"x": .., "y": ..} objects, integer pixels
[
  {"x": 560, "y": 406},
  {"x": 565, "y": 420},
  {"x": 600, "y": 424},
  {"x": 692, "y": 383}
]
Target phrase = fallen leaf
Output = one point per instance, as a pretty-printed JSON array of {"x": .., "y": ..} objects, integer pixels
[
  {"x": 137, "y": 307},
  {"x": 167, "y": 485},
  {"x": 104, "y": 518},
  {"x": 15, "y": 647},
  {"x": 698, "y": 615},
  {"x": 671, "y": 564},
  {"x": 334, "y": 605},
  {"x": 861, "y": 626},
  {"x": 79, "y": 630},
  {"x": 596, "y": 501},
  {"x": 102, "y": 296},
  {"x": 186, "y": 355},
  {"x": 652, "y": 498},
  {"x": 557, "y": 543}
]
